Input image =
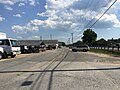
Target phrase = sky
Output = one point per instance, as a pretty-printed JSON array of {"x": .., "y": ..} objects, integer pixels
[{"x": 30, "y": 19}]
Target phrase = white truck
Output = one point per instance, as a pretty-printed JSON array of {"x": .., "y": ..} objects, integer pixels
[
  {"x": 83, "y": 48},
  {"x": 1, "y": 53},
  {"x": 8, "y": 46}
]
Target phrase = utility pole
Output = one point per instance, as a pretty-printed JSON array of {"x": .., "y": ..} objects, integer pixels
[
  {"x": 72, "y": 37},
  {"x": 68, "y": 41},
  {"x": 40, "y": 38},
  {"x": 51, "y": 37}
]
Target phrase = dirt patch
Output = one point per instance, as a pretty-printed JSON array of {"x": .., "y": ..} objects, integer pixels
[
  {"x": 22, "y": 55},
  {"x": 103, "y": 55}
]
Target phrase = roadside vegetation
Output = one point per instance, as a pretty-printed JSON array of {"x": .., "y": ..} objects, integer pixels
[{"x": 110, "y": 46}]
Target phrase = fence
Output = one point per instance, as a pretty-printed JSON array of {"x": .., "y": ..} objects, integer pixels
[{"x": 109, "y": 48}]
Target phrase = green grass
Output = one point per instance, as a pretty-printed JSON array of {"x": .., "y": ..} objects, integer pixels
[
  {"x": 18, "y": 74},
  {"x": 113, "y": 53}
]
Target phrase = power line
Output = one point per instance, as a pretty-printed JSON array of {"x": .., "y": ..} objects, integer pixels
[
  {"x": 103, "y": 14},
  {"x": 97, "y": 19},
  {"x": 88, "y": 4}
]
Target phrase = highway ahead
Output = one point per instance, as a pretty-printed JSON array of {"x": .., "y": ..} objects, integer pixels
[{"x": 60, "y": 69}]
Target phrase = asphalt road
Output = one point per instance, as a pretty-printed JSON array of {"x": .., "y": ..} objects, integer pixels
[{"x": 60, "y": 69}]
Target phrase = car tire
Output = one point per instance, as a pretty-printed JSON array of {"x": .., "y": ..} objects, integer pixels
[
  {"x": 5, "y": 55},
  {"x": 1, "y": 55},
  {"x": 84, "y": 50},
  {"x": 74, "y": 50},
  {"x": 12, "y": 56}
]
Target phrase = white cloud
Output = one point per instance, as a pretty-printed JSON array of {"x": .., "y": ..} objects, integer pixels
[
  {"x": 23, "y": 12},
  {"x": 38, "y": 14},
  {"x": 108, "y": 21},
  {"x": 25, "y": 29},
  {"x": 1, "y": 19},
  {"x": 73, "y": 15},
  {"x": 17, "y": 15},
  {"x": 19, "y": 29},
  {"x": 19, "y": 37},
  {"x": 36, "y": 22},
  {"x": 21, "y": 4},
  {"x": 35, "y": 37},
  {"x": 75, "y": 11},
  {"x": 32, "y": 2},
  {"x": 9, "y": 2},
  {"x": 38, "y": 3},
  {"x": 8, "y": 8}
]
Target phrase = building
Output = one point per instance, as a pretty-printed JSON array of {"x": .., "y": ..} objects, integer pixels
[
  {"x": 47, "y": 43},
  {"x": 114, "y": 41}
]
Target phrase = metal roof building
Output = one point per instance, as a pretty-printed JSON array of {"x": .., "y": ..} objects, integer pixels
[{"x": 37, "y": 42}]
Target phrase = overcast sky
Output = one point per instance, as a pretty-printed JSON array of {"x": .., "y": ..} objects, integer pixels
[{"x": 30, "y": 19}]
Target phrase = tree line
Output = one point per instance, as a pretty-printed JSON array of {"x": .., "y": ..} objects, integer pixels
[{"x": 90, "y": 38}]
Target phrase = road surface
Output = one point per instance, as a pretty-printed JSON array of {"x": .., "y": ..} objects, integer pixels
[{"x": 60, "y": 69}]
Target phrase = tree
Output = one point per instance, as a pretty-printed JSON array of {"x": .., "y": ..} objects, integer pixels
[
  {"x": 62, "y": 44},
  {"x": 89, "y": 37},
  {"x": 101, "y": 42},
  {"x": 78, "y": 43}
]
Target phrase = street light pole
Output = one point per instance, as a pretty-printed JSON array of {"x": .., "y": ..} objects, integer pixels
[
  {"x": 40, "y": 38},
  {"x": 68, "y": 41},
  {"x": 51, "y": 37},
  {"x": 72, "y": 37}
]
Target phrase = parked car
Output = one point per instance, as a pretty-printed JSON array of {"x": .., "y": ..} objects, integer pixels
[
  {"x": 84, "y": 48},
  {"x": 42, "y": 48}
]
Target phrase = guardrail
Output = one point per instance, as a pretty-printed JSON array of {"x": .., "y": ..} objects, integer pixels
[{"x": 109, "y": 48}]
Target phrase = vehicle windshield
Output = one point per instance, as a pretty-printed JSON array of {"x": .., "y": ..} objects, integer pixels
[
  {"x": 14, "y": 43},
  {"x": 4, "y": 42}
]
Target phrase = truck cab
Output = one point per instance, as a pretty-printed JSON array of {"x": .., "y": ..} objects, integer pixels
[{"x": 10, "y": 46}]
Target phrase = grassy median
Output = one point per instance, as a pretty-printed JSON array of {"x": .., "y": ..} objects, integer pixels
[{"x": 113, "y": 53}]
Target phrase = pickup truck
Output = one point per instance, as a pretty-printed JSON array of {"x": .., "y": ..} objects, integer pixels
[{"x": 84, "y": 48}]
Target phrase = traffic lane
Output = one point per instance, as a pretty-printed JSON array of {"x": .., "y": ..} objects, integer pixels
[
  {"x": 66, "y": 80},
  {"x": 20, "y": 78},
  {"x": 89, "y": 57},
  {"x": 88, "y": 77},
  {"x": 74, "y": 59},
  {"x": 84, "y": 80},
  {"x": 27, "y": 62},
  {"x": 9, "y": 79},
  {"x": 72, "y": 80},
  {"x": 113, "y": 72},
  {"x": 86, "y": 74}
]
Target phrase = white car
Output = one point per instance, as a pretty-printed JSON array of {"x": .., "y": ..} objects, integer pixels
[{"x": 83, "y": 48}]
